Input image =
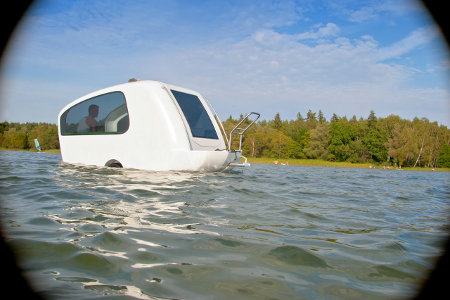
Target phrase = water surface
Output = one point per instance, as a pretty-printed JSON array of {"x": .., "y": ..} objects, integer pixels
[{"x": 265, "y": 232}]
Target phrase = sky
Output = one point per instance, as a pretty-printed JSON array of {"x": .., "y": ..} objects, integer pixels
[{"x": 345, "y": 57}]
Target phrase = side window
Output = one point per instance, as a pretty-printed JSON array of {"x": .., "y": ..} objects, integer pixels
[
  {"x": 104, "y": 114},
  {"x": 196, "y": 115}
]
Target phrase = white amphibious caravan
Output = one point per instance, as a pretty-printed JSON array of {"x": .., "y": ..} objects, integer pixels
[{"x": 148, "y": 125}]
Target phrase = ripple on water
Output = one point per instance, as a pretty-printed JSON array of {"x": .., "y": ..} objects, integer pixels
[
  {"x": 41, "y": 254},
  {"x": 92, "y": 263},
  {"x": 43, "y": 221},
  {"x": 389, "y": 272},
  {"x": 296, "y": 256},
  {"x": 112, "y": 242},
  {"x": 75, "y": 279}
]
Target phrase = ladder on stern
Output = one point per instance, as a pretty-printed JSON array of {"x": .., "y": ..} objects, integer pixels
[{"x": 239, "y": 130}]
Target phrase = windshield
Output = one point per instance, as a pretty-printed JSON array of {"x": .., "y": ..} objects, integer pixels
[{"x": 196, "y": 115}]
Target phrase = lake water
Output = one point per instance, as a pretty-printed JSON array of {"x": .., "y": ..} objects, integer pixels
[{"x": 265, "y": 232}]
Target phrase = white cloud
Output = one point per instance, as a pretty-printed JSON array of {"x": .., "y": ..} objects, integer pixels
[
  {"x": 417, "y": 38},
  {"x": 363, "y": 14},
  {"x": 376, "y": 10},
  {"x": 329, "y": 30},
  {"x": 267, "y": 37}
]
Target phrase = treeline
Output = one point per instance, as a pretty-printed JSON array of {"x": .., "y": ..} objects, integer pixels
[
  {"x": 390, "y": 141},
  {"x": 21, "y": 136}
]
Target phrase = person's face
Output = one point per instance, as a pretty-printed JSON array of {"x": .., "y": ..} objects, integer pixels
[{"x": 95, "y": 112}]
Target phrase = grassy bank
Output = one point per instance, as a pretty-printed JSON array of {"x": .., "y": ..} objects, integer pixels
[
  {"x": 31, "y": 150},
  {"x": 324, "y": 163}
]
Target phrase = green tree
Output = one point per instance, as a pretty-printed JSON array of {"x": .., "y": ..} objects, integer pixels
[
  {"x": 374, "y": 139},
  {"x": 285, "y": 147},
  {"x": 341, "y": 134},
  {"x": 372, "y": 119},
  {"x": 374, "y": 142},
  {"x": 430, "y": 138},
  {"x": 8, "y": 138},
  {"x": 311, "y": 120},
  {"x": 334, "y": 118},
  {"x": 277, "y": 124},
  {"x": 302, "y": 137},
  {"x": 321, "y": 117},
  {"x": 318, "y": 143},
  {"x": 402, "y": 146},
  {"x": 444, "y": 157},
  {"x": 297, "y": 131},
  {"x": 358, "y": 152},
  {"x": 19, "y": 140},
  {"x": 310, "y": 116},
  {"x": 255, "y": 142},
  {"x": 4, "y": 127}
]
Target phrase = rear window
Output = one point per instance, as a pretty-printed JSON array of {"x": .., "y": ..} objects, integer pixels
[
  {"x": 104, "y": 114},
  {"x": 196, "y": 115}
]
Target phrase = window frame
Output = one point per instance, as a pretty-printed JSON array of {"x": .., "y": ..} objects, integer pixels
[
  {"x": 187, "y": 120},
  {"x": 63, "y": 117}
]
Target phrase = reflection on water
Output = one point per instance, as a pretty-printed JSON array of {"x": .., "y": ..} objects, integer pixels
[
  {"x": 266, "y": 232},
  {"x": 134, "y": 198}
]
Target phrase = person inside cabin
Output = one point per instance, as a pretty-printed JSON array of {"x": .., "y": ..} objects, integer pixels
[{"x": 89, "y": 123}]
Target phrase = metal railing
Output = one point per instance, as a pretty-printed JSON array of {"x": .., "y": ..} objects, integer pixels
[
  {"x": 237, "y": 130},
  {"x": 240, "y": 131}
]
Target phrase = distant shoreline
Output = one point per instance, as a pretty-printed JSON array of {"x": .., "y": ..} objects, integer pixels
[
  {"x": 31, "y": 150},
  {"x": 297, "y": 162},
  {"x": 324, "y": 163}
]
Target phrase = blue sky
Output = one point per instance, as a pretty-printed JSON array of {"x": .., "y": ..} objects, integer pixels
[{"x": 345, "y": 57}]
